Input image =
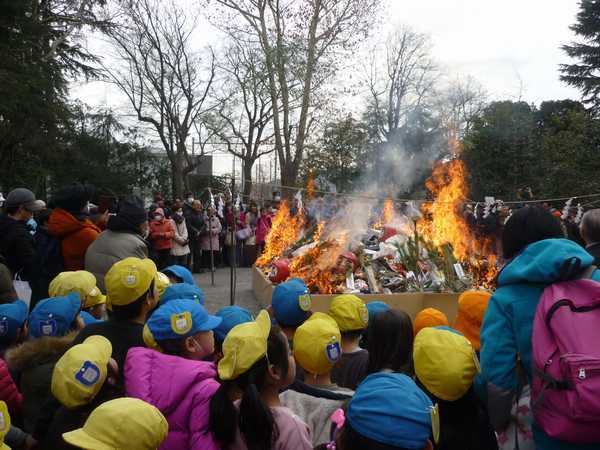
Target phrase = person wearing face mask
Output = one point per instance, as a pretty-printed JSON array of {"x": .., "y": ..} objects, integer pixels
[
  {"x": 180, "y": 251},
  {"x": 179, "y": 334},
  {"x": 16, "y": 243},
  {"x": 210, "y": 239},
  {"x": 162, "y": 232},
  {"x": 125, "y": 237},
  {"x": 70, "y": 222}
]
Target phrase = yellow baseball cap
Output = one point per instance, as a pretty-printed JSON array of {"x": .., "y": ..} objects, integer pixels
[
  {"x": 429, "y": 317},
  {"x": 4, "y": 425},
  {"x": 162, "y": 283},
  {"x": 317, "y": 344},
  {"x": 349, "y": 312},
  {"x": 445, "y": 362},
  {"x": 80, "y": 281},
  {"x": 128, "y": 279},
  {"x": 80, "y": 373},
  {"x": 124, "y": 423},
  {"x": 244, "y": 345},
  {"x": 471, "y": 309}
]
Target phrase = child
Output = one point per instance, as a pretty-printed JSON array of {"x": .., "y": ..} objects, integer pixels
[
  {"x": 51, "y": 325},
  {"x": 390, "y": 342},
  {"x": 13, "y": 330},
  {"x": 124, "y": 423},
  {"x": 178, "y": 382},
  {"x": 182, "y": 290},
  {"x": 291, "y": 306},
  {"x": 83, "y": 378},
  {"x": 387, "y": 412},
  {"x": 131, "y": 294},
  {"x": 471, "y": 309},
  {"x": 179, "y": 274},
  {"x": 317, "y": 347},
  {"x": 374, "y": 308},
  {"x": 352, "y": 317},
  {"x": 232, "y": 316},
  {"x": 84, "y": 283},
  {"x": 256, "y": 361},
  {"x": 446, "y": 365},
  {"x": 430, "y": 317}
]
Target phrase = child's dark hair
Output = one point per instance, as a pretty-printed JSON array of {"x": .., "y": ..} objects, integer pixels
[
  {"x": 255, "y": 419},
  {"x": 350, "y": 439},
  {"x": 354, "y": 334},
  {"x": 132, "y": 310},
  {"x": 390, "y": 342}
]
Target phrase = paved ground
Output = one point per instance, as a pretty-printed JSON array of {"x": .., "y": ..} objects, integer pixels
[{"x": 218, "y": 295}]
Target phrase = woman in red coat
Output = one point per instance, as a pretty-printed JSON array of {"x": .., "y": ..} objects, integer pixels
[{"x": 162, "y": 232}]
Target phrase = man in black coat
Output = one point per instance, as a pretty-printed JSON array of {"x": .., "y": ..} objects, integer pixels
[
  {"x": 194, "y": 220},
  {"x": 16, "y": 242}
]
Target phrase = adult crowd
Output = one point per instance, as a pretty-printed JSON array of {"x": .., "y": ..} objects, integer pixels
[{"x": 106, "y": 343}]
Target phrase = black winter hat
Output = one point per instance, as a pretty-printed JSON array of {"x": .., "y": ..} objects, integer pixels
[{"x": 131, "y": 209}]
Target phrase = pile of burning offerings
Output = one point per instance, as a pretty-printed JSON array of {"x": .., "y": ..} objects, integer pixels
[{"x": 347, "y": 246}]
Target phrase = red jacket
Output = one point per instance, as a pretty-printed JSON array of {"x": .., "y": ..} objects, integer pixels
[
  {"x": 75, "y": 235},
  {"x": 9, "y": 392},
  {"x": 161, "y": 233}
]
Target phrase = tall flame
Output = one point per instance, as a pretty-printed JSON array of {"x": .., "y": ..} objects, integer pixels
[
  {"x": 387, "y": 214},
  {"x": 445, "y": 223},
  {"x": 285, "y": 231}
]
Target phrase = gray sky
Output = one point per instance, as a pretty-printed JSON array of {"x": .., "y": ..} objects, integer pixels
[
  {"x": 503, "y": 44},
  {"x": 511, "y": 47}
]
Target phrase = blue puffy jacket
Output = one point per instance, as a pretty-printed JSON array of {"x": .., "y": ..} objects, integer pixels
[{"x": 508, "y": 325}]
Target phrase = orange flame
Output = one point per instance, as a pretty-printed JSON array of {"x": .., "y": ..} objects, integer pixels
[
  {"x": 285, "y": 230},
  {"x": 445, "y": 223},
  {"x": 310, "y": 186}
]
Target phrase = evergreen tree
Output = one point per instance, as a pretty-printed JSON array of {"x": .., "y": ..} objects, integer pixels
[{"x": 584, "y": 73}]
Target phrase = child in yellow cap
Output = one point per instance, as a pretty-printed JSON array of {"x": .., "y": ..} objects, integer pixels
[
  {"x": 257, "y": 362},
  {"x": 84, "y": 283},
  {"x": 131, "y": 294},
  {"x": 123, "y": 423},
  {"x": 317, "y": 347},
  {"x": 446, "y": 366},
  {"x": 352, "y": 318},
  {"x": 83, "y": 378},
  {"x": 430, "y": 317}
]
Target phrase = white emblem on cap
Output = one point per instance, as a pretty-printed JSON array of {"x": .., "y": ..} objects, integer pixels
[{"x": 130, "y": 280}]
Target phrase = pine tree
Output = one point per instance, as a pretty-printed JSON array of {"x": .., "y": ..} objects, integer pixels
[{"x": 584, "y": 74}]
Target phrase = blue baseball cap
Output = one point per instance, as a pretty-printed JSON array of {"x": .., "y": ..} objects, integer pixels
[
  {"x": 291, "y": 303},
  {"x": 178, "y": 319},
  {"x": 232, "y": 316},
  {"x": 88, "y": 319},
  {"x": 12, "y": 317},
  {"x": 391, "y": 409},
  {"x": 54, "y": 316},
  {"x": 180, "y": 272},
  {"x": 376, "y": 307},
  {"x": 182, "y": 291}
]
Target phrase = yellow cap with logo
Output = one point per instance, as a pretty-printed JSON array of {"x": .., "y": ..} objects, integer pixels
[
  {"x": 124, "y": 423},
  {"x": 80, "y": 373},
  {"x": 445, "y": 362},
  {"x": 244, "y": 345},
  {"x": 317, "y": 344},
  {"x": 4, "y": 424},
  {"x": 128, "y": 279},
  {"x": 162, "y": 283},
  {"x": 80, "y": 281},
  {"x": 349, "y": 312}
]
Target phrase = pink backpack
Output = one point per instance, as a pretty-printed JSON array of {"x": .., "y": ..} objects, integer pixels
[{"x": 566, "y": 361}]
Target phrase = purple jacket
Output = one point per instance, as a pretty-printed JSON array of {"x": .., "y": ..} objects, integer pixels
[{"x": 180, "y": 388}]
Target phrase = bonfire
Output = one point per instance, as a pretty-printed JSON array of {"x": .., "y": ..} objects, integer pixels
[{"x": 435, "y": 250}]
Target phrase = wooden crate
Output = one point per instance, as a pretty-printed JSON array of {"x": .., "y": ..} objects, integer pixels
[{"x": 410, "y": 302}]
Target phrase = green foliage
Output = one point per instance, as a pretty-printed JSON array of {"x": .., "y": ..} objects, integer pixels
[
  {"x": 553, "y": 150},
  {"x": 584, "y": 73},
  {"x": 340, "y": 155}
]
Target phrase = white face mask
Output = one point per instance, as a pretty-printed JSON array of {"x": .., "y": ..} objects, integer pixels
[{"x": 190, "y": 199}]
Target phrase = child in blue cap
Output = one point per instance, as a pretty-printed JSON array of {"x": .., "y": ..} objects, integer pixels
[
  {"x": 232, "y": 316},
  {"x": 387, "y": 412},
  {"x": 52, "y": 326},
  {"x": 172, "y": 373},
  {"x": 179, "y": 274},
  {"x": 182, "y": 290},
  {"x": 290, "y": 305}
]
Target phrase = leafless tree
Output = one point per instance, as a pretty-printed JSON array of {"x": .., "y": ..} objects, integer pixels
[
  {"x": 302, "y": 42},
  {"x": 244, "y": 120},
  {"x": 402, "y": 76},
  {"x": 166, "y": 81},
  {"x": 459, "y": 103}
]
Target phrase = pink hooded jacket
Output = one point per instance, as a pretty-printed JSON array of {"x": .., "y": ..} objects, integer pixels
[{"x": 180, "y": 388}]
